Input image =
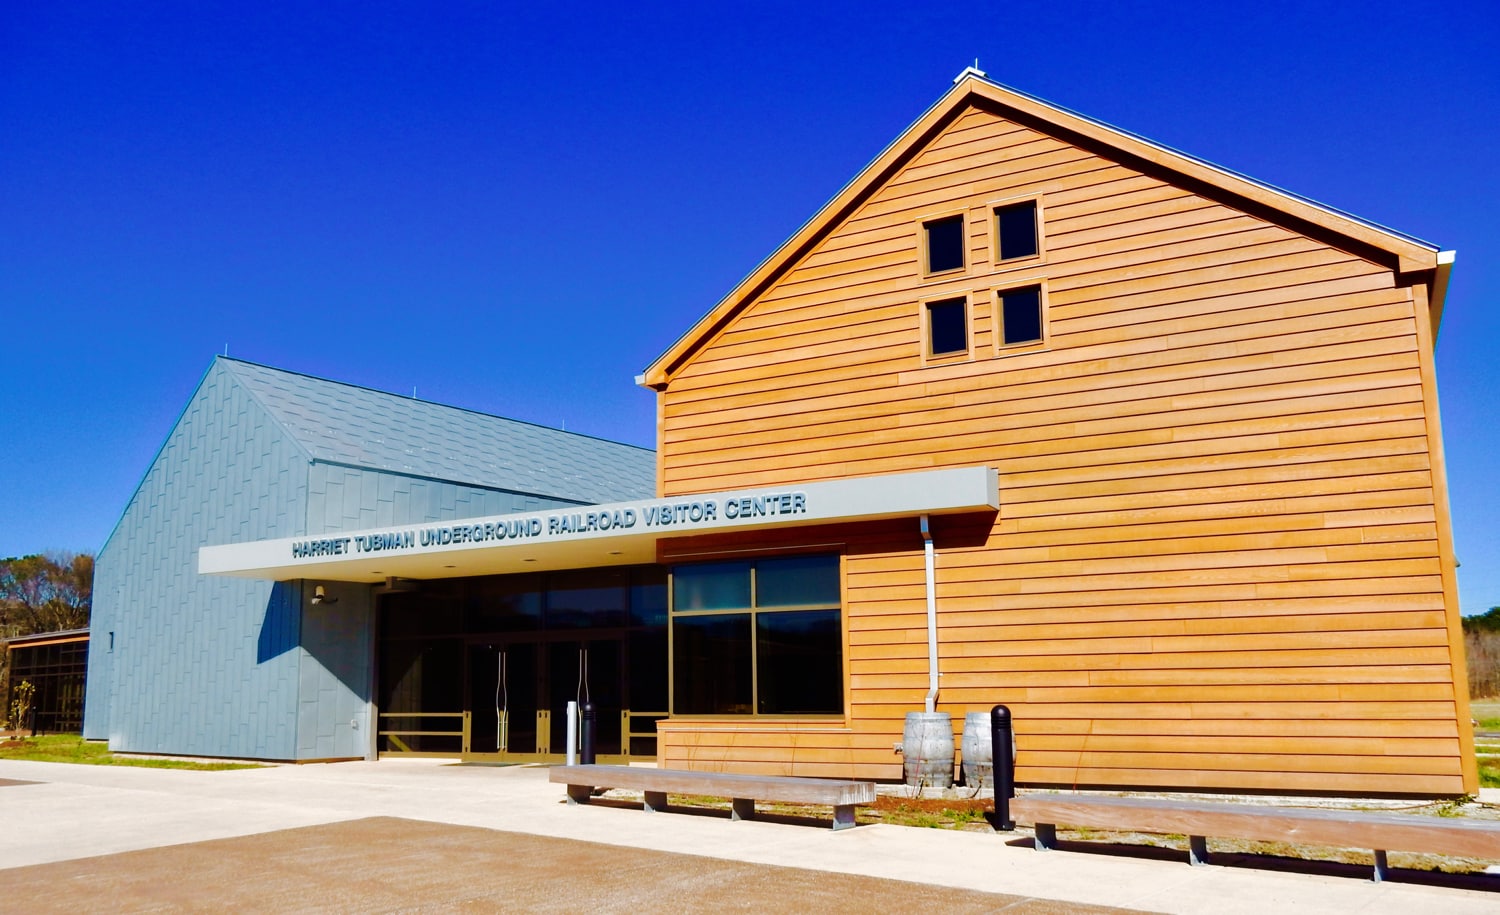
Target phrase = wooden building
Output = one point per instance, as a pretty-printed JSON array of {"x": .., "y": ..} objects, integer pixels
[
  {"x": 1222, "y": 558},
  {"x": 1035, "y": 412}
]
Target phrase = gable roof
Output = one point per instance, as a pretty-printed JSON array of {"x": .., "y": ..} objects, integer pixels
[
  {"x": 1403, "y": 253},
  {"x": 338, "y": 423}
]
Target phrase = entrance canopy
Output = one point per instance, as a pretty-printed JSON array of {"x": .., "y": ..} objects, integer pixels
[{"x": 616, "y": 533}]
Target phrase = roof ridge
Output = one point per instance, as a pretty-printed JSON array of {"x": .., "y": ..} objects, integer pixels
[{"x": 428, "y": 403}]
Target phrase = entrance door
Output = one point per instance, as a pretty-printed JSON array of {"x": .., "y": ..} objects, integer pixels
[
  {"x": 580, "y": 671},
  {"x": 518, "y": 690},
  {"x": 502, "y": 698}
]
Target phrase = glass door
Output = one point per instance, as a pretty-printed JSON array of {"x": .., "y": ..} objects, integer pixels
[
  {"x": 586, "y": 670},
  {"x": 518, "y": 690},
  {"x": 502, "y": 699}
]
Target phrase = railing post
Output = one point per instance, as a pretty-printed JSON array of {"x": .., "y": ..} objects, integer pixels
[
  {"x": 572, "y": 743},
  {"x": 586, "y": 750},
  {"x": 1004, "y": 759}
]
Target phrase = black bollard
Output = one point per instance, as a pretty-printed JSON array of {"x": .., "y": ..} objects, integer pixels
[
  {"x": 586, "y": 744},
  {"x": 1002, "y": 752}
]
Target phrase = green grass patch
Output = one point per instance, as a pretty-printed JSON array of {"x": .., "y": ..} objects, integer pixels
[
  {"x": 1487, "y": 713},
  {"x": 1489, "y": 775},
  {"x": 70, "y": 748}
]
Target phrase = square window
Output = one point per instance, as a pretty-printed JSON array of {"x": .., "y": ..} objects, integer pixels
[
  {"x": 1015, "y": 231},
  {"x": 1021, "y": 315},
  {"x": 945, "y": 244},
  {"x": 947, "y": 327}
]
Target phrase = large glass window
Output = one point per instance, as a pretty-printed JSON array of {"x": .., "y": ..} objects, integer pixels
[{"x": 758, "y": 637}]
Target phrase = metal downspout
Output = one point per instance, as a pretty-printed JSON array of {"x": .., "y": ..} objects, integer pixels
[{"x": 932, "y": 644}]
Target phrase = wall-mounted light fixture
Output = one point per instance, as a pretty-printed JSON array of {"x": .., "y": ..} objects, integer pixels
[{"x": 319, "y": 597}]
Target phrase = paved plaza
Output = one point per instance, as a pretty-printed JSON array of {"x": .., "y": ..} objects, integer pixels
[{"x": 423, "y": 835}]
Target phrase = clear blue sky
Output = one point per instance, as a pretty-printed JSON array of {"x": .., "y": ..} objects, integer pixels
[{"x": 515, "y": 207}]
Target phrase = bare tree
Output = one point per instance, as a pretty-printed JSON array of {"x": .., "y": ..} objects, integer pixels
[
  {"x": 46, "y": 593},
  {"x": 1482, "y": 647}
]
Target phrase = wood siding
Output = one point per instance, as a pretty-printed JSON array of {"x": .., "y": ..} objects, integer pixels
[{"x": 1219, "y": 561}]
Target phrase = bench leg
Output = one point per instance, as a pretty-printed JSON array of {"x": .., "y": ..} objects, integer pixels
[
  {"x": 843, "y": 816},
  {"x": 1382, "y": 867},
  {"x": 742, "y": 808},
  {"x": 579, "y": 794},
  {"x": 1197, "y": 850},
  {"x": 656, "y": 801},
  {"x": 1046, "y": 836}
]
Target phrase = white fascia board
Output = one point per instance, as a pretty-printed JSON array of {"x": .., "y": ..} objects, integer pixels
[{"x": 596, "y": 535}]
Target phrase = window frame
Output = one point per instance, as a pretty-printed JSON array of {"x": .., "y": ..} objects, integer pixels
[
  {"x": 924, "y": 316},
  {"x": 924, "y": 254},
  {"x": 753, "y": 612},
  {"x": 997, "y": 306},
  {"x": 993, "y": 207}
]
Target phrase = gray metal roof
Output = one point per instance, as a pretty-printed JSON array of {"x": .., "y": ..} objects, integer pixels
[{"x": 346, "y": 424}]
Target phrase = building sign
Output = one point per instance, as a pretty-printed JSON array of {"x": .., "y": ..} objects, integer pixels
[
  {"x": 678, "y": 516},
  {"x": 586, "y": 535}
]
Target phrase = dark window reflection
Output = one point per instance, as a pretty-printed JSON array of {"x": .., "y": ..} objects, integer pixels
[
  {"x": 1021, "y": 314},
  {"x": 505, "y": 603},
  {"x": 1016, "y": 226},
  {"x": 711, "y": 657},
  {"x": 797, "y": 653},
  {"x": 947, "y": 326},
  {"x": 797, "y": 581},
  {"x": 945, "y": 244},
  {"x": 800, "y": 655},
  {"x": 648, "y": 597},
  {"x": 711, "y": 586},
  {"x": 589, "y": 599}
]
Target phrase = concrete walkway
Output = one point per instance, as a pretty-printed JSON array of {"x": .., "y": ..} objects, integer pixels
[{"x": 70, "y": 812}]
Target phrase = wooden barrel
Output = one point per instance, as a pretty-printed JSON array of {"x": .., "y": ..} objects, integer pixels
[
  {"x": 979, "y": 759},
  {"x": 927, "y": 748}
]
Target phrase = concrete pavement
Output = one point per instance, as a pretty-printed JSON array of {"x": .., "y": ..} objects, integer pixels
[{"x": 71, "y": 812}]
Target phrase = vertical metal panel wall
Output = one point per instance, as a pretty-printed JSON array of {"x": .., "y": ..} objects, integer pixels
[
  {"x": 201, "y": 665},
  {"x": 184, "y": 663}
]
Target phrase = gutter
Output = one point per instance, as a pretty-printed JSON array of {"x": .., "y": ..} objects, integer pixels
[
  {"x": 1440, "y": 290},
  {"x": 932, "y": 643}
]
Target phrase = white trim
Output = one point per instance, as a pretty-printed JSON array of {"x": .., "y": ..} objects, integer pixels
[{"x": 618, "y": 533}]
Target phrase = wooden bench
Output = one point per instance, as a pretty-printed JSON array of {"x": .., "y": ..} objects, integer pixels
[
  {"x": 743, "y": 790},
  {"x": 1379, "y": 832}
]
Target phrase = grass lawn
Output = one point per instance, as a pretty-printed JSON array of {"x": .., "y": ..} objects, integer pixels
[
  {"x": 1487, "y": 713},
  {"x": 70, "y": 748}
]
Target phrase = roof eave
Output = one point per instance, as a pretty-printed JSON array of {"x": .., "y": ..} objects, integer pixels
[
  {"x": 659, "y": 372},
  {"x": 1440, "y": 289},
  {"x": 1409, "y": 254}
]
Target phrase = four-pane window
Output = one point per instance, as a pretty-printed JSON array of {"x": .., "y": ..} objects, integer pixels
[
  {"x": 1018, "y": 314},
  {"x": 758, "y": 637}
]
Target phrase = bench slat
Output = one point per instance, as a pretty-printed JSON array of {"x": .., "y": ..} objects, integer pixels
[
  {"x": 743, "y": 790},
  {"x": 1339, "y": 828},
  {"x": 836, "y": 792}
]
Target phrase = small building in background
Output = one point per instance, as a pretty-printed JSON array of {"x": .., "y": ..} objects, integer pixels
[{"x": 56, "y": 664}]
